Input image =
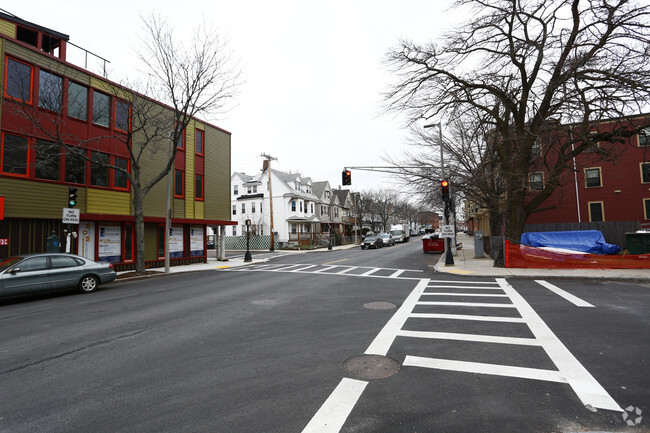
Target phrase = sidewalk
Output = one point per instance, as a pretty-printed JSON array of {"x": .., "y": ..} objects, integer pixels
[
  {"x": 466, "y": 264},
  {"x": 213, "y": 263}
]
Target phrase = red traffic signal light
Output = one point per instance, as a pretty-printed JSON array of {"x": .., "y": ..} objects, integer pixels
[
  {"x": 346, "y": 177},
  {"x": 444, "y": 186}
]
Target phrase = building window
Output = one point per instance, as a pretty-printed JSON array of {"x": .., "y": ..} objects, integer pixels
[
  {"x": 198, "y": 187},
  {"x": 596, "y": 211},
  {"x": 47, "y": 160},
  {"x": 243, "y": 208},
  {"x": 198, "y": 140},
  {"x": 15, "y": 154},
  {"x": 646, "y": 208},
  {"x": 50, "y": 91},
  {"x": 122, "y": 115},
  {"x": 129, "y": 244},
  {"x": 101, "y": 109},
  {"x": 77, "y": 101},
  {"x": 593, "y": 178},
  {"x": 293, "y": 228},
  {"x": 301, "y": 204},
  {"x": 75, "y": 166},
  {"x": 234, "y": 209},
  {"x": 99, "y": 169},
  {"x": 161, "y": 241},
  {"x": 536, "y": 150},
  {"x": 235, "y": 189},
  {"x": 536, "y": 181},
  {"x": 645, "y": 172},
  {"x": 312, "y": 208},
  {"x": 179, "y": 184},
  {"x": 180, "y": 144},
  {"x": 234, "y": 230},
  {"x": 293, "y": 206},
  {"x": 644, "y": 137},
  {"x": 120, "y": 181},
  {"x": 18, "y": 80},
  {"x": 252, "y": 207}
]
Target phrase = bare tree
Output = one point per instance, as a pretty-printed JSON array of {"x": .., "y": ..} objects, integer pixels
[{"x": 529, "y": 67}]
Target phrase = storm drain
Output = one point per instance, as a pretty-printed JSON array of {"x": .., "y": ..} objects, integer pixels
[
  {"x": 379, "y": 305},
  {"x": 371, "y": 367}
]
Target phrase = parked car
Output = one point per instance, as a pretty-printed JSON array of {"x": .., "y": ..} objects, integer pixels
[
  {"x": 372, "y": 242},
  {"x": 387, "y": 239},
  {"x": 210, "y": 245},
  {"x": 32, "y": 273}
]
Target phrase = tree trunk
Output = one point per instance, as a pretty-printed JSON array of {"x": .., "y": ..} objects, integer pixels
[{"x": 138, "y": 212}]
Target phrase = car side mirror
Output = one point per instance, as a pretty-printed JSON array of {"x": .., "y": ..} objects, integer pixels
[{"x": 14, "y": 270}]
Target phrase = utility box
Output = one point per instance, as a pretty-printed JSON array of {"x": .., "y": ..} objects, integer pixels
[
  {"x": 478, "y": 244},
  {"x": 638, "y": 242},
  {"x": 53, "y": 243}
]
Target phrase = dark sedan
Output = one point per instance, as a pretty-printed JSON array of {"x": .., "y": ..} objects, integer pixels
[
  {"x": 32, "y": 273},
  {"x": 372, "y": 242}
]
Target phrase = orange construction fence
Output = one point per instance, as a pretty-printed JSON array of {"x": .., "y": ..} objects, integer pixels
[{"x": 523, "y": 256}]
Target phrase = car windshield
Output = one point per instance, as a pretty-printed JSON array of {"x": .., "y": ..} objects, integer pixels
[
  {"x": 385, "y": 235},
  {"x": 396, "y": 232},
  {"x": 7, "y": 263},
  {"x": 371, "y": 239}
]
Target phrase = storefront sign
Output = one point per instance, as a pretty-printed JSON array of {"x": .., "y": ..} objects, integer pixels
[
  {"x": 4, "y": 241},
  {"x": 196, "y": 241},
  {"x": 86, "y": 240},
  {"x": 109, "y": 245}
]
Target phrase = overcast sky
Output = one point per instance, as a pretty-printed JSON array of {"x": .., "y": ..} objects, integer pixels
[{"x": 313, "y": 71}]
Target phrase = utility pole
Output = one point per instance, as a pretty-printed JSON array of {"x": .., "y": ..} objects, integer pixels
[{"x": 269, "y": 158}]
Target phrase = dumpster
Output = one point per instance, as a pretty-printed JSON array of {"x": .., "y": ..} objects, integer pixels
[
  {"x": 638, "y": 242},
  {"x": 433, "y": 244}
]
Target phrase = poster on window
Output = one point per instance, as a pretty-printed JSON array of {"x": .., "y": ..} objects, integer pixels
[
  {"x": 176, "y": 242},
  {"x": 109, "y": 246},
  {"x": 196, "y": 241},
  {"x": 86, "y": 239}
]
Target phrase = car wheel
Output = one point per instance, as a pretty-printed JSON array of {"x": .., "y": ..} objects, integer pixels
[
  {"x": 88, "y": 284},
  {"x": 363, "y": 247}
]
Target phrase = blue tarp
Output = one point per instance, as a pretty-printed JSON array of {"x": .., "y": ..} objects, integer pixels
[{"x": 588, "y": 241}]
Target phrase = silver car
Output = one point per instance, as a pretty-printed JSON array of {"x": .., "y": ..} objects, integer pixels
[{"x": 32, "y": 273}]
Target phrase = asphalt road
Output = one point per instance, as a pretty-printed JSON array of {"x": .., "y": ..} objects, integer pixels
[{"x": 263, "y": 348}]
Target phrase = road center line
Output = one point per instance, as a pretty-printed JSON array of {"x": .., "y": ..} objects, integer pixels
[
  {"x": 588, "y": 390},
  {"x": 566, "y": 295},
  {"x": 335, "y": 261},
  {"x": 332, "y": 414}
]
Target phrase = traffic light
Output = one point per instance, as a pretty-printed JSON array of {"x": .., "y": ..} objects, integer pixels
[
  {"x": 444, "y": 186},
  {"x": 72, "y": 196},
  {"x": 347, "y": 177}
]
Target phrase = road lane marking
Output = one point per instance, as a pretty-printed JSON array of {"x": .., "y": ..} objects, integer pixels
[
  {"x": 467, "y": 317},
  {"x": 396, "y": 273},
  {"x": 482, "y": 368},
  {"x": 386, "y": 336},
  {"x": 372, "y": 271},
  {"x": 346, "y": 270},
  {"x": 332, "y": 414},
  {"x": 464, "y": 287},
  {"x": 335, "y": 261},
  {"x": 467, "y": 304},
  {"x": 588, "y": 390},
  {"x": 493, "y": 283},
  {"x": 566, "y": 295},
  {"x": 285, "y": 268},
  {"x": 303, "y": 269},
  {"x": 475, "y": 295},
  {"x": 327, "y": 268},
  {"x": 470, "y": 337}
]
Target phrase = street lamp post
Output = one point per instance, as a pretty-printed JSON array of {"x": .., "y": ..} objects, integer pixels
[{"x": 449, "y": 258}]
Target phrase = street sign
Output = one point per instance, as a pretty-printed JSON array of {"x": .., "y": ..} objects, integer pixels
[
  {"x": 70, "y": 216},
  {"x": 447, "y": 231}
]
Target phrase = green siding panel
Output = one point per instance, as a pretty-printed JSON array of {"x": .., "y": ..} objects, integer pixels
[
  {"x": 217, "y": 174},
  {"x": 30, "y": 199}
]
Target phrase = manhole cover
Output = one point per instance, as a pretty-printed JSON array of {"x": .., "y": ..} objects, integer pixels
[
  {"x": 371, "y": 366},
  {"x": 265, "y": 302},
  {"x": 379, "y": 305}
]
